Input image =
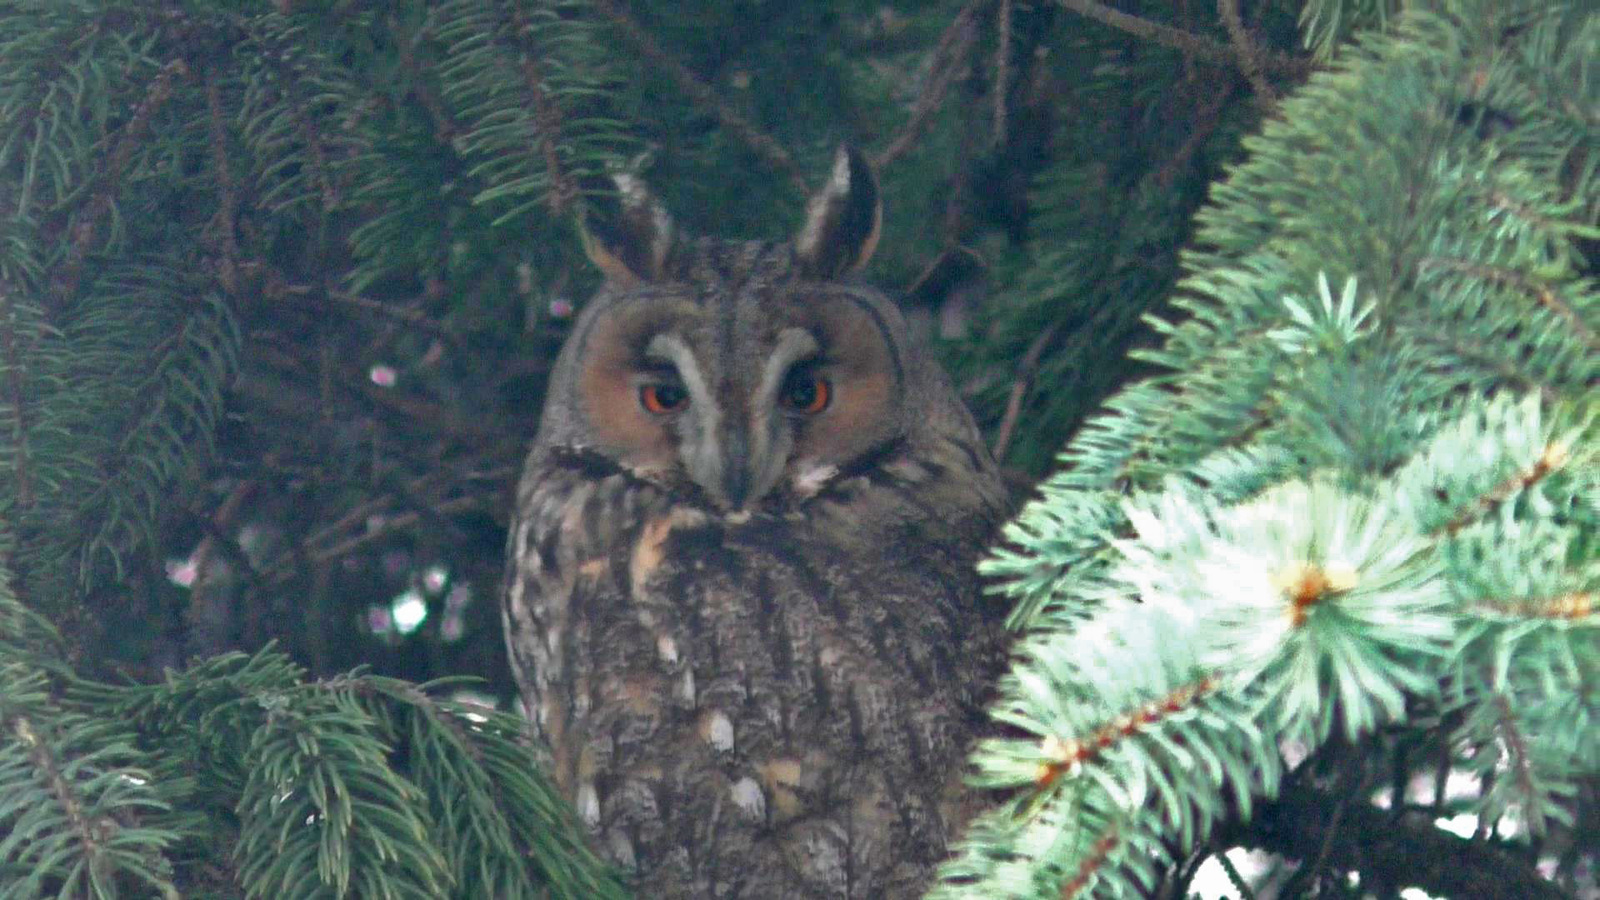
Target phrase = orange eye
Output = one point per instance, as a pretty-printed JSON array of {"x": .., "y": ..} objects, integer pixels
[
  {"x": 663, "y": 398},
  {"x": 804, "y": 391}
]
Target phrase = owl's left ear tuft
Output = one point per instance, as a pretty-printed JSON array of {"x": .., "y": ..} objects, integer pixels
[
  {"x": 843, "y": 219},
  {"x": 627, "y": 233}
]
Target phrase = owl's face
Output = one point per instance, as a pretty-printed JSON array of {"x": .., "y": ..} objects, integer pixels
[
  {"x": 754, "y": 389},
  {"x": 755, "y": 372}
]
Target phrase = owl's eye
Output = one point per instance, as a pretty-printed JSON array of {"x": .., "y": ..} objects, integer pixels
[
  {"x": 662, "y": 398},
  {"x": 804, "y": 391}
]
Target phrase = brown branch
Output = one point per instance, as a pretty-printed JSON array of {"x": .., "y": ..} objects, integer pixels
[
  {"x": 216, "y": 526},
  {"x": 1066, "y": 754},
  {"x": 1541, "y": 292},
  {"x": 110, "y": 178},
  {"x": 1027, "y": 368},
  {"x": 400, "y": 313},
  {"x": 1248, "y": 54},
  {"x": 1200, "y": 47},
  {"x": 948, "y": 55},
  {"x": 444, "y": 125},
  {"x": 1002, "y": 71},
  {"x": 227, "y": 213},
  {"x": 1096, "y": 857},
  {"x": 1201, "y": 128},
  {"x": 352, "y": 384},
  {"x": 1516, "y": 745},
  {"x": 1403, "y": 849},
  {"x": 91, "y": 832},
  {"x": 22, "y": 467},
  {"x": 1573, "y": 606},
  {"x": 1552, "y": 458},
  {"x": 281, "y": 57},
  {"x": 547, "y": 120},
  {"x": 764, "y": 145}
]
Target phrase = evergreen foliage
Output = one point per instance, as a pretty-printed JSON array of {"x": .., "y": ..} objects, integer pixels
[
  {"x": 1358, "y": 529},
  {"x": 239, "y": 777},
  {"x": 281, "y": 282}
]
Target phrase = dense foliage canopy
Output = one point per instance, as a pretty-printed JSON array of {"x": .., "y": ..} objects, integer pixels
[{"x": 281, "y": 283}]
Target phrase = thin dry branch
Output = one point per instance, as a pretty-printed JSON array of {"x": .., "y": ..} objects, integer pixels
[
  {"x": 1027, "y": 368},
  {"x": 764, "y": 145},
  {"x": 1002, "y": 71},
  {"x": 1200, "y": 47},
  {"x": 948, "y": 56},
  {"x": 110, "y": 180},
  {"x": 1249, "y": 54},
  {"x": 227, "y": 211},
  {"x": 444, "y": 124},
  {"x": 21, "y": 466}
]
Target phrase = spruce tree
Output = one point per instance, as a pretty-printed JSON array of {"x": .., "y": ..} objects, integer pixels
[
  {"x": 1341, "y": 551},
  {"x": 280, "y": 283}
]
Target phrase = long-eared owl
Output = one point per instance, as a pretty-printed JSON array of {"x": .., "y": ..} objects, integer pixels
[{"x": 741, "y": 604}]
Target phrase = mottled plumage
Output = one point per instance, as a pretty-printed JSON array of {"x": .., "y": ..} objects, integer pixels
[{"x": 741, "y": 604}]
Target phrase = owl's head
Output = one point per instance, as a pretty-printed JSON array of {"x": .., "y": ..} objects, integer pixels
[{"x": 757, "y": 371}]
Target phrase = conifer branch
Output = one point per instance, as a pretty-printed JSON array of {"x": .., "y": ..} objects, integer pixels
[
  {"x": 111, "y": 175},
  {"x": 66, "y": 799},
  {"x": 763, "y": 144},
  {"x": 1543, "y": 293},
  {"x": 1554, "y": 457},
  {"x": 1092, "y": 861},
  {"x": 547, "y": 119},
  {"x": 1066, "y": 754},
  {"x": 1167, "y": 36},
  {"x": 445, "y": 127}
]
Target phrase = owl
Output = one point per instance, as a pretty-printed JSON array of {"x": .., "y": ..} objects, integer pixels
[{"x": 741, "y": 605}]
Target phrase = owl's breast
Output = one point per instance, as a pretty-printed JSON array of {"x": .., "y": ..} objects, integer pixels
[{"x": 781, "y": 685}]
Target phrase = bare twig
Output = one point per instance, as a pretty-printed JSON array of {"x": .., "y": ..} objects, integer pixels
[
  {"x": 1249, "y": 55},
  {"x": 444, "y": 125},
  {"x": 948, "y": 56},
  {"x": 1201, "y": 128},
  {"x": 1200, "y": 47},
  {"x": 110, "y": 180},
  {"x": 1002, "y": 71},
  {"x": 21, "y": 468},
  {"x": 764, "y": 145},
  {"x": 227, "y": 211},
  {"x": 1027, "y": 368}
]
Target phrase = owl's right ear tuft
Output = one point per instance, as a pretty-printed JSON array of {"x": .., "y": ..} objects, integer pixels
[
  {"x": 843, "y": 219},
  {"x": 627, "y": 233}
]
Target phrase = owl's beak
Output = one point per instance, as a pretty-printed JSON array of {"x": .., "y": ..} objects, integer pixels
[{"x": 736, "y": 470}]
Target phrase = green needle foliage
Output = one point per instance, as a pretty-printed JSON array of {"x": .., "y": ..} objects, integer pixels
[
  {"x": 1360, "y": 527},
  {"x": 281, "y": 282},
  {"x": 241, "y": 777}
]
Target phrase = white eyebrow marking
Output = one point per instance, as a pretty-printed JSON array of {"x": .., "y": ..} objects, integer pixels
[{"x": 794, "y": 344}]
